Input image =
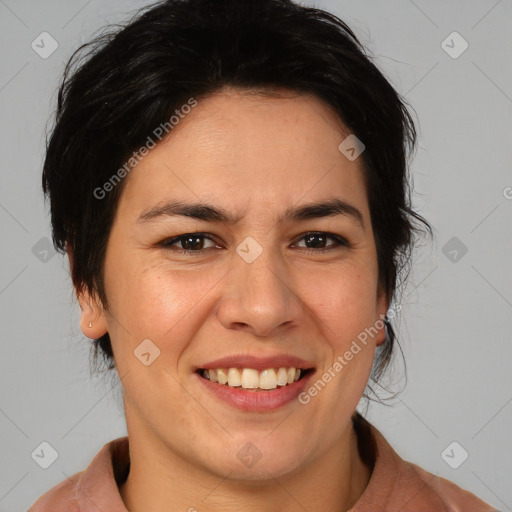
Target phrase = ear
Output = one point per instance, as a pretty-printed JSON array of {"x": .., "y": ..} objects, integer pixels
[
  {"x": 92, "y": 319},
  {"x": 382, "y": 306}
]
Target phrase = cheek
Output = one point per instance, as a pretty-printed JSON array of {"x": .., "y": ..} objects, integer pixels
[
  {"x": 345, "y": 305},
  {"x": 345, "y": 301},
  {"x": 345, "y": 311},
  {"x": 157, "y": 303}
]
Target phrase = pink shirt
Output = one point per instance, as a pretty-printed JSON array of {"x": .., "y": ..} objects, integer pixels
[{"x": 395, "y": 484}]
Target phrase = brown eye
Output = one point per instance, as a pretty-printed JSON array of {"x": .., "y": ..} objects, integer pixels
[
  {"x": 189, "y": 243},
  {"x": 318, "y": 241}
]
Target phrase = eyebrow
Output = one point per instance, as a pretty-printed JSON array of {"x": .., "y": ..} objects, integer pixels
[{"x": 208, "y": 213}]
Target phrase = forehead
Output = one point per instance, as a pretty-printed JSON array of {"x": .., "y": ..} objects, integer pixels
[{"x": 239, "y": 149}]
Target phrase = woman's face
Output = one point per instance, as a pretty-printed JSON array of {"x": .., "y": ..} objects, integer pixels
[{"x": 259, "y": 284}]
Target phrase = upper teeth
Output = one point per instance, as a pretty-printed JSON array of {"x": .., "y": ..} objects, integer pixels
[{"x": 250, "y": 378}]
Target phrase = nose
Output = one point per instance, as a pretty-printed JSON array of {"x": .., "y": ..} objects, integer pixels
[{"x": 259, "y": 297}]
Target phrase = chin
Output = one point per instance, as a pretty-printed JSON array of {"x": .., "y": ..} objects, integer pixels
[
  {"x": 262, "y": 472},
  {"x": 258, "y": 458}
]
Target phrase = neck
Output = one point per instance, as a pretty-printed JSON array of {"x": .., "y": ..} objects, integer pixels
[{"x": 160, "y": 479}]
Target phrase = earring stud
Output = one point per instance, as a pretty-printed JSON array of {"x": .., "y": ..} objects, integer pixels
[{"x": 90, "y": 324}]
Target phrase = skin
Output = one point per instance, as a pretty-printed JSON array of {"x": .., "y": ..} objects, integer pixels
[{"x": 253, "y": 156}]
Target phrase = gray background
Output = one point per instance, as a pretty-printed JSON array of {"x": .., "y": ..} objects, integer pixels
[{"x": 455, "y": 326}]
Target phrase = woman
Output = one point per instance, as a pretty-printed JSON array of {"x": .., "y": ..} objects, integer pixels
[{"x": 229, "y": 181}]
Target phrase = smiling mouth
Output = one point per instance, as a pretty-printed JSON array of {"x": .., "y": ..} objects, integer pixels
[{"x": 250, "y": 379}]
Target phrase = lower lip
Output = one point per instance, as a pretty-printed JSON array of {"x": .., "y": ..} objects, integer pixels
[{"x": 257, "y": 401}]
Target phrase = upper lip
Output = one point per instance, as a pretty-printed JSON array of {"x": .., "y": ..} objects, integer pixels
[{"x": 258, "y": 363}]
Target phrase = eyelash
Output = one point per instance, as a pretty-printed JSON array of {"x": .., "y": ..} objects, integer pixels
[{"x": 340, "y": 242}]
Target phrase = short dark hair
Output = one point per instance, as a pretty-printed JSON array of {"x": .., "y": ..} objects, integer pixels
[{"x": 117, "y": 88}]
